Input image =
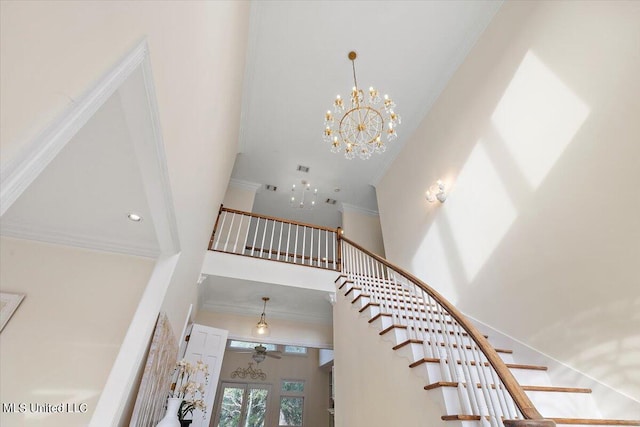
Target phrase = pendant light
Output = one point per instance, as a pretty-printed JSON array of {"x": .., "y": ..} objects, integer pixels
[{"x": 262, "y": 328}]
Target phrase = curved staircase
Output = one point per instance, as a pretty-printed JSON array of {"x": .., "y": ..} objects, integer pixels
[{"x": 451, "y": 357}]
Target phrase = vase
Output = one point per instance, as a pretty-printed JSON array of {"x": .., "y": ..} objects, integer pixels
[
  {"x": 171, "y": 417},
  {"x": 185, "y": 423}
]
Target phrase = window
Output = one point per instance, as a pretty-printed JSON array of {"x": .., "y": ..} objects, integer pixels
[
  {"x": 294, "y": 349},
  {"x": 295, "y": 386},
  {"x": 291, "y": 403},
  {"x": 234, "y": 344},
  {"x": 291, "y": 411},
  {"x": 242, "y": 405}
]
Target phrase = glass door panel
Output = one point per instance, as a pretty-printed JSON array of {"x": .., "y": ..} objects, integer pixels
[
  {"x": 231, "y": 406},
  {"x": 242, "y": 405},
  {"x": 256, "y": 407}
]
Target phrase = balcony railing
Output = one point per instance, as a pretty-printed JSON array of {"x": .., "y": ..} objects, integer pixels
[{"x": 276, "y": 239}]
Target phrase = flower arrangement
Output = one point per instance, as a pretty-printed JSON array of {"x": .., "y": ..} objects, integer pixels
[{"x": 190, "y": 381}]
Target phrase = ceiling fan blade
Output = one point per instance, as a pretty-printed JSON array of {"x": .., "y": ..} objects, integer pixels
[
  {"x": 275, "y": 356},
  {"x": 244, "y": 351}
]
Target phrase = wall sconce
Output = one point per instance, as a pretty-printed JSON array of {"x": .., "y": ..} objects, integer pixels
[{"x": 436, "y": 192}]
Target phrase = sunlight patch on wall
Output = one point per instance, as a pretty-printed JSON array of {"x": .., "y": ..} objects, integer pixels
[
  {"x": 537, "y": 117},
  {"x": 479, "y": 211},
  {"x": 431, "y": 264}
]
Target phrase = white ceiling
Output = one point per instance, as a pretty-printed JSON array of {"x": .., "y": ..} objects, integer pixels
[
  {"x": 296, "y": 65},
  {"x": 83, "y": 196},
  {"x": 227, "y": 295}
]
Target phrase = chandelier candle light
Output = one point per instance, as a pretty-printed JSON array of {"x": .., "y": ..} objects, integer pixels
[{"x": 360, "y": 129}]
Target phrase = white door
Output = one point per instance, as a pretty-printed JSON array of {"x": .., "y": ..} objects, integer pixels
[
  {"x": 207, "y": 344},
  {"x": 242, "y": 405}
]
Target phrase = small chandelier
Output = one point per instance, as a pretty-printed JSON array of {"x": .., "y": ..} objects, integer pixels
[
  {"x": 296, "y": 201},
  {"x": 262, "y": 328},
  {"x": 360, "y": 130}
]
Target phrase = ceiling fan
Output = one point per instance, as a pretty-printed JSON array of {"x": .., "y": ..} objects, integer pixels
[{"x": 260, "y": 353}]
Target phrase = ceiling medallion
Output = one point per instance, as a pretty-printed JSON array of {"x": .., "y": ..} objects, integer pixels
[{"x": 360, "y": 129}]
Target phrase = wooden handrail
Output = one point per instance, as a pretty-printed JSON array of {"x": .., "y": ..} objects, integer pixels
[
  {"x": 273, "y": 218},
  {"x": 519, "y": 396}
]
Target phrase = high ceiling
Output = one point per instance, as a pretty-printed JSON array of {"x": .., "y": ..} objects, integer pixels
[{"x": 297, "y": 63}]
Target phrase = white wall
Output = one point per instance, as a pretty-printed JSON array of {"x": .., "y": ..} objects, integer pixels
[
  {"x": 537, "y": 138},
  {"x": 61, "y": 342},
  {"x": 363, "y": 228},
  {"x": 282, "y": 331}
]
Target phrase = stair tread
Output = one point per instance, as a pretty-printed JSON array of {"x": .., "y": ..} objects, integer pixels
[
  {"x": 595, "y": 421},
  {"x": 420, "y": 328},
  {"x": 473, "y": 362},
  {"x": 524, "y": 387},
  {"x": 377, "y": 304},
  {"x": 373, "y": 319},
  {"x": 588, "y": 421},
  {"x": 468, "y": 347}
]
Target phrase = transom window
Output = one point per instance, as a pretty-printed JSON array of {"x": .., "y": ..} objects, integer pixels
[{"x": 236, "y": 344}]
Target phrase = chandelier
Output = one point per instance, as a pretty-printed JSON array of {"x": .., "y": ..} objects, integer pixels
[
  {"x": 360, "y": 129},
  {"x": 296, "y": 201}
]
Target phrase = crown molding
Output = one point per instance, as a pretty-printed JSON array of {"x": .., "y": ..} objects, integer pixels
[
  {"x": 346, "y": 207},
  {"x": 78, "y": 240},
  {"x": 245, "y": 185}
]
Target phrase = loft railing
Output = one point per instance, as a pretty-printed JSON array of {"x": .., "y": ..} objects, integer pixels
[
  {"x": 276, "y": 239},
  {"x": 486, "y": 387}
]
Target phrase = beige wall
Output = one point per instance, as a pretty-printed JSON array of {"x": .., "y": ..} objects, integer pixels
[
  {"x": 51, "y": 52},
  {"x": 364, "y": 229},
  {"x": 61, "y": 342},
  {"x": 239, "y": 197},
  {"x": 282, "y": 331},
  {"x": 316, "y": 396},
  {"x": 373, "y": 385},
  {"x": 537, "y": 138}
]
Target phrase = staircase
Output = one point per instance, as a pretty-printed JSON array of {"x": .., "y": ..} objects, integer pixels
[{"x": 478, "y": 384}]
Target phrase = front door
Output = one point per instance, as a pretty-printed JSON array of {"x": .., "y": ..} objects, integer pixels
[{"x": 242, "y": 405}]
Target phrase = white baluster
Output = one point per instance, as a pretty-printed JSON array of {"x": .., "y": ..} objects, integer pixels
[
  {"x": 233, "y": 217},
  {"x": 235, "y": 243},
  {"x": 224, "y": 217},
  {"x": 280, "y": 240}
]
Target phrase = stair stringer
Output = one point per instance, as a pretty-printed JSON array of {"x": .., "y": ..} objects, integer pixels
[{"x": 373, "y": 387}]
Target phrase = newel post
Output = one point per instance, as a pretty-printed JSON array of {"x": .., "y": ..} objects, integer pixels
[{"x": 215, "y": 227}]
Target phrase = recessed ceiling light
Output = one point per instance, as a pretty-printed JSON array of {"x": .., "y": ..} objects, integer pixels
[
  {"x": 134, "y": 217},
  {"x": 336, "y": 190}
]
